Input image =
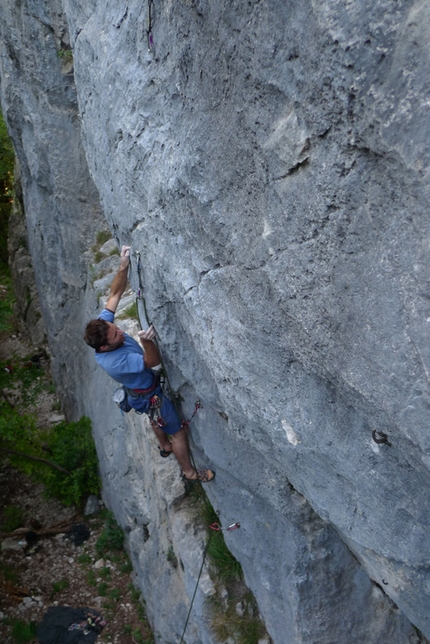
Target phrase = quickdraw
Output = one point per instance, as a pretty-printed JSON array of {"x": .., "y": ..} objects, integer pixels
[
  {"x": 198, "y": 405},
  {"x": 154, "y": 412},
  {"x": 216, "y": 526}
]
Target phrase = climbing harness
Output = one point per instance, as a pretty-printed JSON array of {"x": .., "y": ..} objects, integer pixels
[
  {"x": 156, "y": 417},
  {"x": 380, "y": 438},
  {"x": 149, "y": 30},
  {"x": 137, "y": 399},
  {"x": 165, "y": 378}
]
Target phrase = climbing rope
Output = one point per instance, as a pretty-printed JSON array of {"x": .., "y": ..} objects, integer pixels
[
  {"x": 215, "y": 527},
  {"x": 141, "y": 298}
]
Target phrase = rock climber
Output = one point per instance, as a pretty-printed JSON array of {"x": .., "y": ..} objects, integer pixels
[{"x": 132, "y": 366}]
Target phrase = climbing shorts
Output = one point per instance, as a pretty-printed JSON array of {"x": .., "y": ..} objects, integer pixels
[{"x": 127, "y": 400}]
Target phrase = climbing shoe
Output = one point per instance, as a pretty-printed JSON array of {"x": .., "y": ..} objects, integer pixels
[{"x": 204, "y": 476}]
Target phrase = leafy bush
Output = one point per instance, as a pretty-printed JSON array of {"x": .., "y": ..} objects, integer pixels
[{"x": 71, "y": 446}]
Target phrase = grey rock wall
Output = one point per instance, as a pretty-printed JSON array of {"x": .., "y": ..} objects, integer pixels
[
  {"x": 270, "y": 163},
  {"x": 27, "y": 303},
  {"x": 60, "y": 200}
]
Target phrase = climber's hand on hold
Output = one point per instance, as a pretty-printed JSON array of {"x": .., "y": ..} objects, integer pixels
[
  {"x": 147, "y": 335},
  {"x": 125, "y": 256}
]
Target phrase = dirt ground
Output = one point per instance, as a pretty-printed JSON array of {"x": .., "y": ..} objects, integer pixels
[{"x": 50, "y": 569}]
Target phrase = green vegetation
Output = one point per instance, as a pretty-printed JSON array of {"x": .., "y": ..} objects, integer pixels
[
  {"x": 126, "y": 566},
  {"x": 224, "y": 566},
  {"x": 102, "y": 588},
  {"x": 91, "y": 578},
  {"x": 110, "y": 545},
  {"x": 98, "y": 256},
  {"x": 23, "y": 631},
  {"x": 9, "y": 573},
  {"x": 84, "y": 559},
  {"x": 12, "y": 518},
  {"x": 71, "y": 446},
  {"x": 115, "y": 594},
  {"x": 102, "y": 237},
  {"x": 59, "y": 586},
  {"x": 233, "y": 608},
  {"x": 112, "y": 537},
  {"x": 130, "y": 312},
  {"x": 71, "y": 472},
  {"x": 171, "y": 557},
  {"x": 6, "y": 300},
  {"x": 65, "y": 54},
  {"x": 238, "y": 620},
  {"x": 138, "y": 637},
  {"x": 63, "y": 457}
]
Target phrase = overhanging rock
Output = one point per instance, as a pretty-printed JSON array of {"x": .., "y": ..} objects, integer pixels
[{"x": 270, "y": 162}]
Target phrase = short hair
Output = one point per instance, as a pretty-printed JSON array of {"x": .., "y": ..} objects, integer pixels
[{"x": 96, "y": 333}]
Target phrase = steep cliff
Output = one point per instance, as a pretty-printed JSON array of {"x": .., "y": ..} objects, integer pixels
[{"x": 270, "y": 162}]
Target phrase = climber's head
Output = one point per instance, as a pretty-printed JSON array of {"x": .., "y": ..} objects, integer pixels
[{"x": 103, "y": 336}]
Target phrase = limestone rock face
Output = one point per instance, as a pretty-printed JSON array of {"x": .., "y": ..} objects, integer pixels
[
  {"x": 27, "y": 307},
  {"x": 270, "y": 162}
]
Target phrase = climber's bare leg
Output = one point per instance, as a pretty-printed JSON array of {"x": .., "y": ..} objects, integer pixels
[
  {"x": 163, "y": 438},
  {"x": 181, "y": 451}
]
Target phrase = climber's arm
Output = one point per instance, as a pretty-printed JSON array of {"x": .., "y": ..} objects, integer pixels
[
  {"x": 152, "y": 355},
  {"x": 119, "y": 283}
]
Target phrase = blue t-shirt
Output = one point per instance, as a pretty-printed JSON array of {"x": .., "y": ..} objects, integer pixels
[{"x": 125, "y": 364}]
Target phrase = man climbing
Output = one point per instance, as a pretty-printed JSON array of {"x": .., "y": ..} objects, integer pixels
[{"x": 131, "y": 365}]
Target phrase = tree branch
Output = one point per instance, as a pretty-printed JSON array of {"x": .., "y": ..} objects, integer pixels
[{"x": 36, "y": 458}]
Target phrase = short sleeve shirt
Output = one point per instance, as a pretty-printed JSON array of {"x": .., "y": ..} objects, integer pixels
[{"x": 125, "y": 364}]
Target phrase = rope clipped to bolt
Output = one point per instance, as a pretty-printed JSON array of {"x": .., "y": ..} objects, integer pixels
[
  {"x": 140, "y": 297},
  {"x": 214, "y": 527}
]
